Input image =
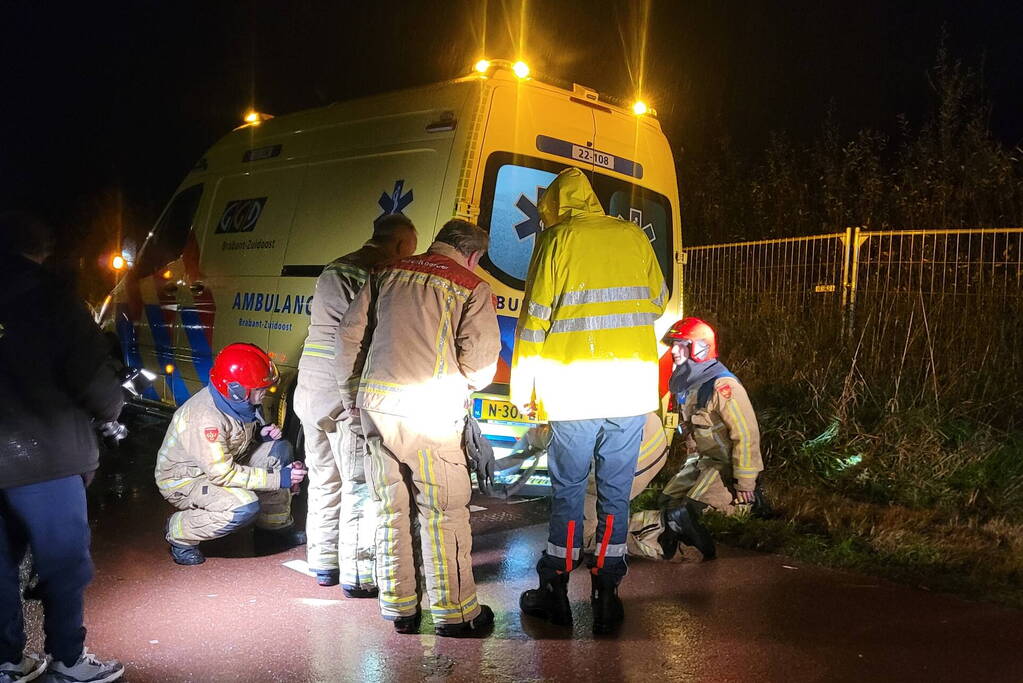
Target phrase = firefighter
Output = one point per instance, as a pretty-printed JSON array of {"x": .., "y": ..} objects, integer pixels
[
  {"x": 341, "y": 521},
  {"x": 58, "y": 382},
  {"x": 222, "y": 467},
  {"x": 586, "y": 357},
  {"x": 722, "y": 441},
  {"x": 415, "y": 341}
]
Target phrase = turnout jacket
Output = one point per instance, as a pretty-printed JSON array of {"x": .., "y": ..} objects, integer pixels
[
  {"x": 57, "y": 376},
  {"x": 335, "y": 289},
  {"x": 725, "y": 429},
  {"x": 585, "y": 345},
  {"x": 203, "y": 442},
  {"x": 418, "y": 338}
]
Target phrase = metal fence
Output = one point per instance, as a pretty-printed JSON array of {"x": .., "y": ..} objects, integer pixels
[{"x": 833, "y": 272}]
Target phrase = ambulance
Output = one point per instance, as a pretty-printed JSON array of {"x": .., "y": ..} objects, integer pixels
[{"x": 235, "y": 255}]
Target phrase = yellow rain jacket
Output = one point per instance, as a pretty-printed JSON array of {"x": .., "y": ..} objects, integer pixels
[{"x": 585, "y": 344}]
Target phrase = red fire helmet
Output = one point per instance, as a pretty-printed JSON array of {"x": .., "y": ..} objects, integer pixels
[
  {"x": 700, "y": 335},
  {"x": 242, "y": 366}
]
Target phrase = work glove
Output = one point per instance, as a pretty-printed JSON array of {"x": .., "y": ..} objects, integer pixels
[{"x": 479, "y": 456}]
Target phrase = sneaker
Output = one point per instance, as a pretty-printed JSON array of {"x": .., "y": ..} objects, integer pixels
[
  {"x": 479, "y": 627},
  {"x": 88, "y": 669},
  {"x": 409, "y": 624},
  {"x": 360, "y": 591},
  {"x": 328, "y": 577},
  {"x": 608, "y": 612},
  {"x": 186, "y": 555},
  {"x": 29, "y": 668},
  {"x": 549, "y": 601}
]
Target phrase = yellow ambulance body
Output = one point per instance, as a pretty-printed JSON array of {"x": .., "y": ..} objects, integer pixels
[{"x": 235, "y": 255}]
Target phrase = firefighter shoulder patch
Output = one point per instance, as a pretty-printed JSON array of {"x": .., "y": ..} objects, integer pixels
[
  {"x": 726, "y": 391},
  {"x": 211, "y": 434}
]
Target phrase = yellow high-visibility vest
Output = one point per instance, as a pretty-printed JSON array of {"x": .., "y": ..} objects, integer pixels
[{"x": 585, "y": 344}]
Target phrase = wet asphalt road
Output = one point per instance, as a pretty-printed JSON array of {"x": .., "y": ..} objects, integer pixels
[{"x": 743, "y": 617}]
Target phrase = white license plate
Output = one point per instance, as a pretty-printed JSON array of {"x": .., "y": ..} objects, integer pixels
[{"x": 591, "y": 156}]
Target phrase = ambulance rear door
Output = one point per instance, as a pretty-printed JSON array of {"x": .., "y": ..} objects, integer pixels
[{"x": 511, "y": 186}]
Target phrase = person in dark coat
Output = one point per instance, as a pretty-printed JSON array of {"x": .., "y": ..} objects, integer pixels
[{"x": 58, "y": 385}]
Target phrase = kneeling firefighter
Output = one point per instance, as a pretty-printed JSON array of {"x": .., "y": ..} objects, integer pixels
[
  {"x": 723, "y": 446},
  {"x": 222, "y": 466}
]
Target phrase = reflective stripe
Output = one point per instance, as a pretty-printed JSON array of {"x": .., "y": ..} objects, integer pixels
[
  {"x": 659, "y": 301},
  {"x": 745, "y": 455},
  {"x": 616, "y": 550},
  {"x": 603, "y": 295},
  {"x": 414, "y": 277},
  {"x": 378, "y": 387},
  {"x": 276, "y": 520},
  {"x": 466, "y": 606},
  {"x": 532, "y": 335},
  {"x": 356, "y": 578},
  {"x": 318, "y": 350},
  {"x": 386, "y": 582},
  {"x": 651, "y": 446},
  {"x": 399, "y": 602},
  {"x": 602, "y": 322},
  {"x": 172, "y": 484},
  {"x": 558, "y": 551},
  {"x": 354, "y": 272},
  {"x": 433, "y": 525},
  {"x": 539, "y": 311},
  {"x": 703, "y": 484}
]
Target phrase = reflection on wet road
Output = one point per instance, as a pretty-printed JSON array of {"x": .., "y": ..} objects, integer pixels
[{"x": 742, "y": 617}]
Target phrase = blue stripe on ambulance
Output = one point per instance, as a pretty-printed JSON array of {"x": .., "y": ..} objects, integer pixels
[
  {"x": 164, "y": 351},
  {"x": 202, "y": 354},
  {"x": 130, "y": 346},
  {"x": 507, "y": 324}
]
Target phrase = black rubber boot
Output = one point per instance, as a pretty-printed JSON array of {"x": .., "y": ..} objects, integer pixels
[
  {"x": 410, "y": 624},
  {"x": 761, "y": 507},
  {"x": 278, "y": 539},
  {"x": 608, "y": 612},
  {"x": 668, "y": 540},
  {"x": 549, "y": 601},
  {"x": 360, "y": 591},
  {"x": 186, "y": 555},
  {"x": 328, "y": 577},
  {"x": 685, "y": 522},
  {"x": 479, "y": 627}
]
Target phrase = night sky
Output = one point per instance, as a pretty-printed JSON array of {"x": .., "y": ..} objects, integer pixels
[{"x": 112, "y": 99}]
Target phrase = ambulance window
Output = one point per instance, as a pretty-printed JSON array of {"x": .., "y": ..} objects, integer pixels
[
  {"x": 171, "y": 232},
  {"x": 512, "y": 186}
]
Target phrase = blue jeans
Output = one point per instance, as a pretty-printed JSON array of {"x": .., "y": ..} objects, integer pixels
[
  {"x": 51, "y": 518},
  {"x": 612, "y": 444}
]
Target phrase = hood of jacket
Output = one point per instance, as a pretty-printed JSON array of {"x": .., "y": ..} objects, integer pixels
[{"x": 569, "y": 195}]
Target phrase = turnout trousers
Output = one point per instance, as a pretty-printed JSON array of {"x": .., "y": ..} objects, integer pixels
[
  {"x": 208, "y": 511},
  {"x": 50, "y": 517},
  {"x": 420, "y": 478},
  {"x": 612, "y": 444},
  {"x": 702, "y": 479},
  {"x": 342, "y": 519}
]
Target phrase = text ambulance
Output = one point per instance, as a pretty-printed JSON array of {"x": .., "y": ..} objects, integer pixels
[{"x": 235, "y": 255}]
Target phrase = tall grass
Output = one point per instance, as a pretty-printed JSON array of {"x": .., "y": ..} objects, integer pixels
[{"x": 896, "y": 447}]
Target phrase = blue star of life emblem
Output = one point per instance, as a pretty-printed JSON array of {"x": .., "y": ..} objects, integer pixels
[{"x": 396, "y": 201}]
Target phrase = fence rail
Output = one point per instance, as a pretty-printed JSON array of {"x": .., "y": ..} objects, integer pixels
[{"x": 833, "y": 271}]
